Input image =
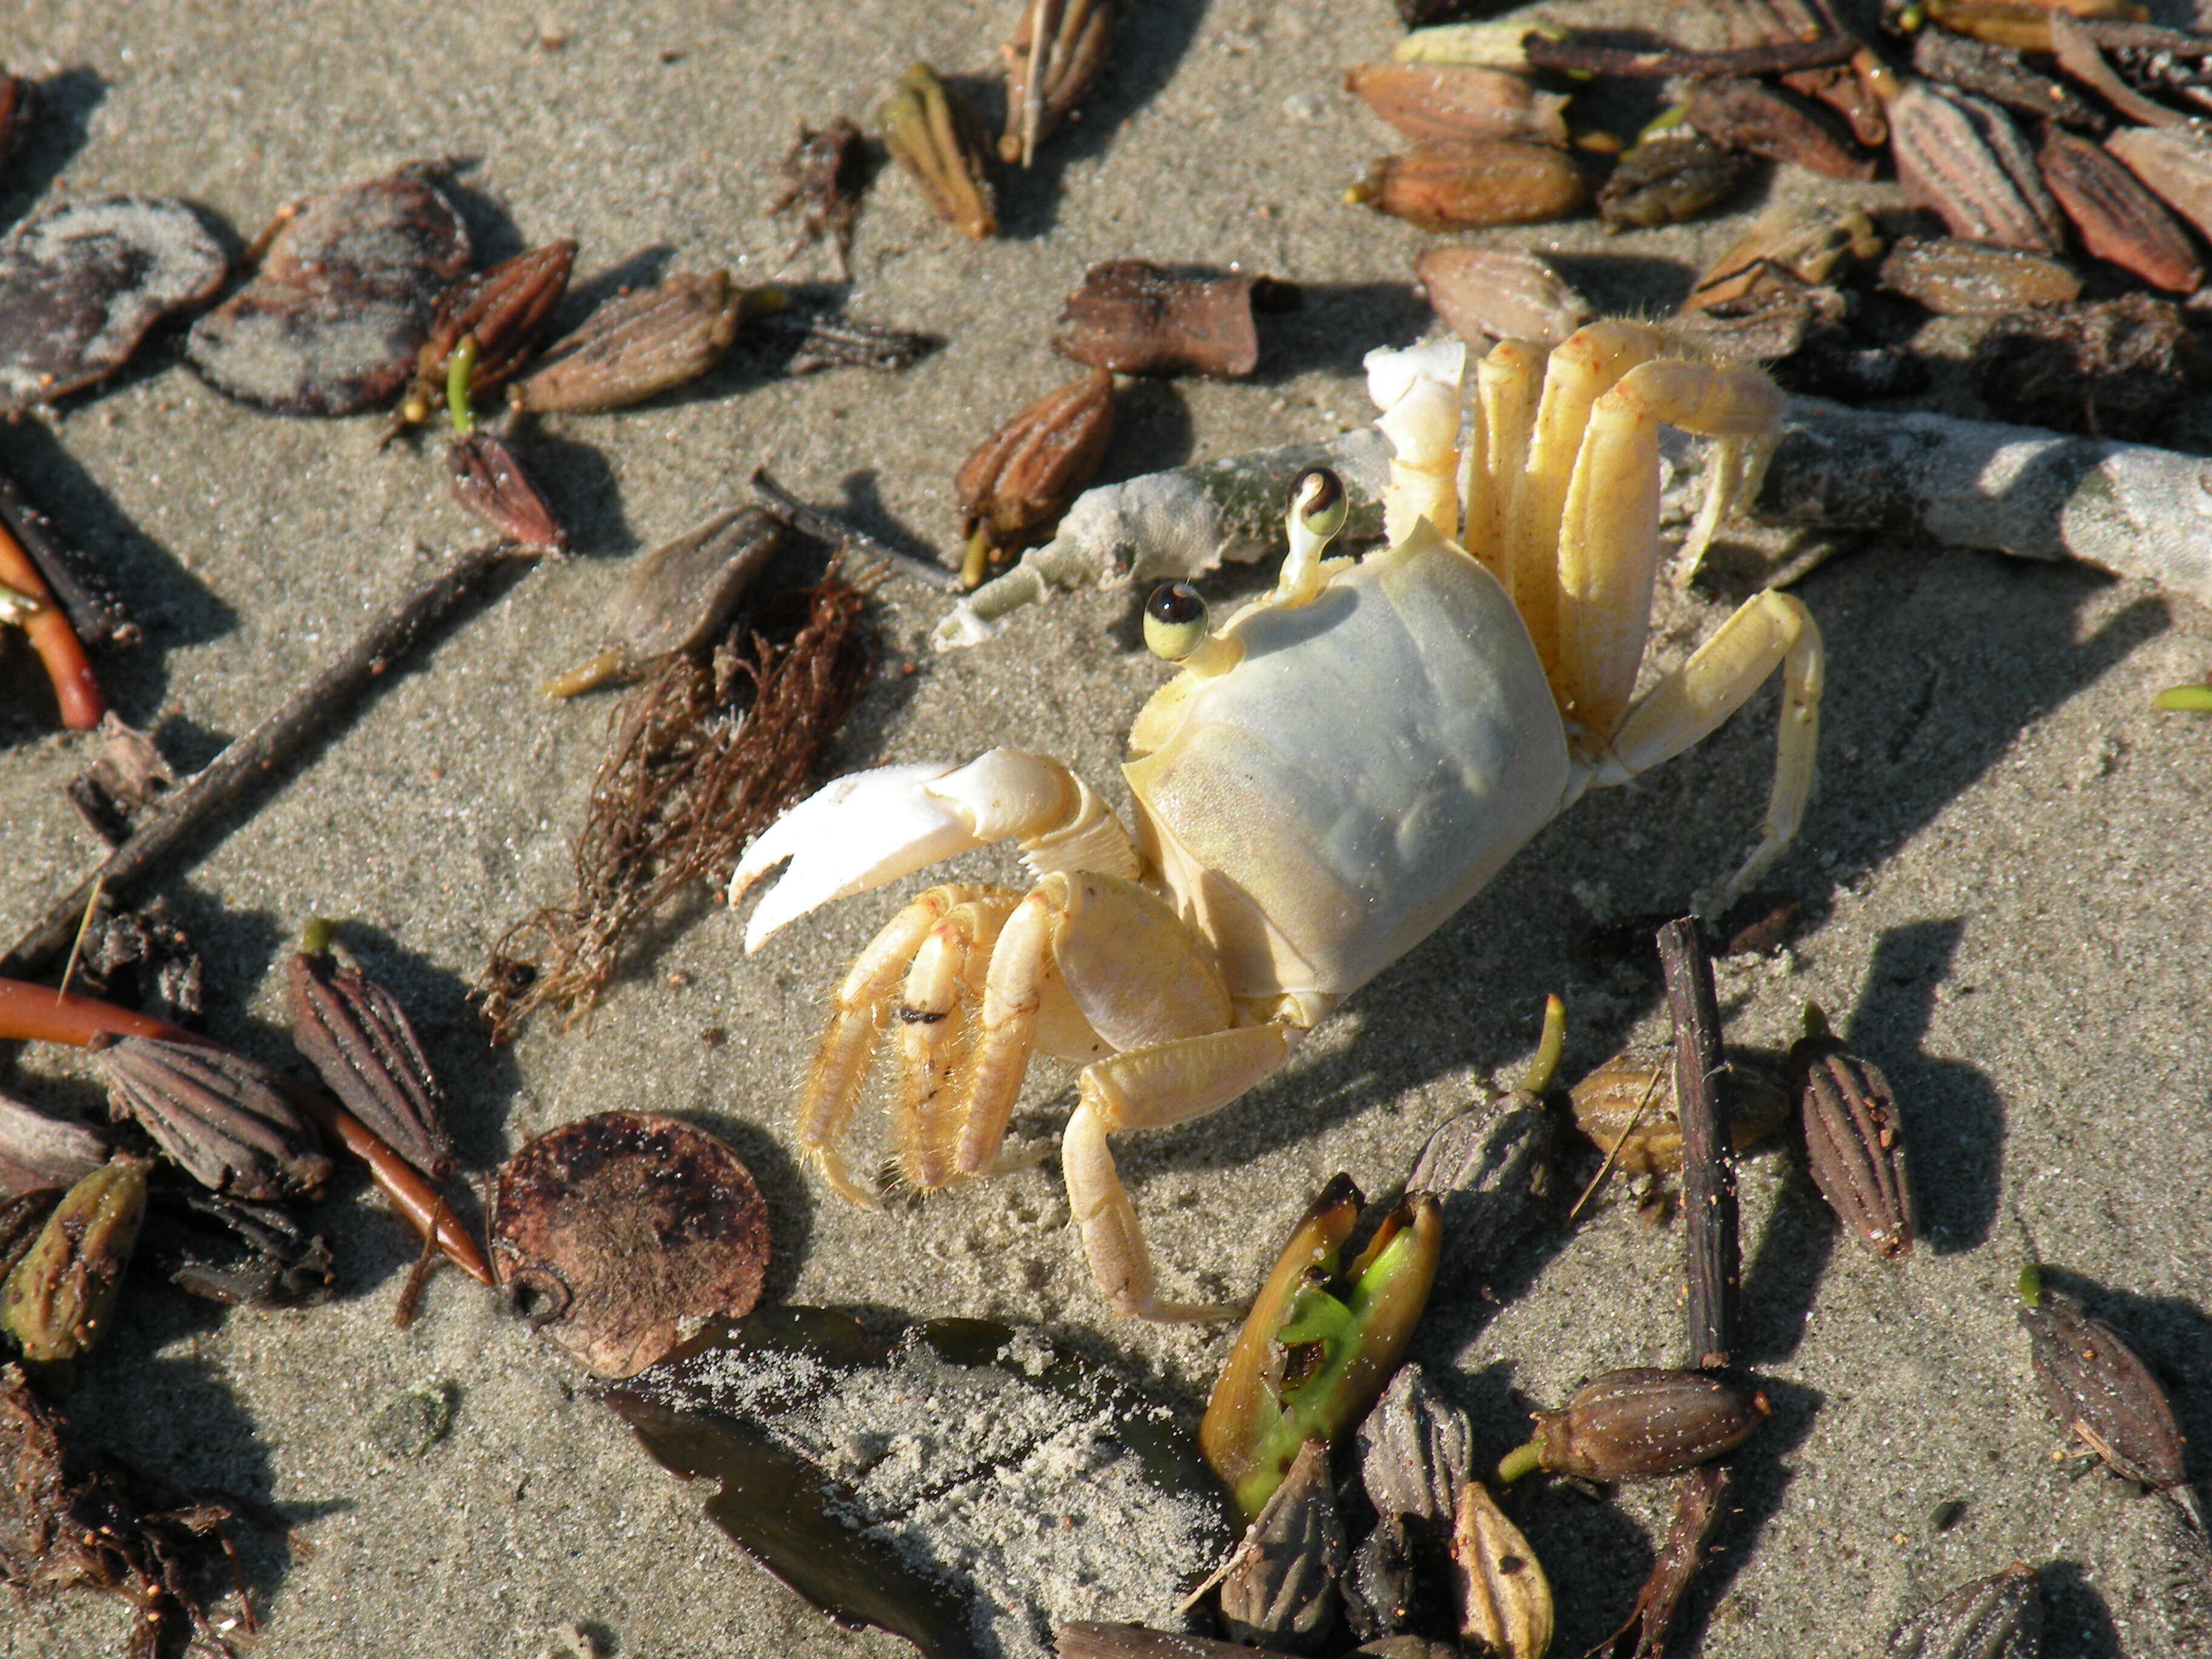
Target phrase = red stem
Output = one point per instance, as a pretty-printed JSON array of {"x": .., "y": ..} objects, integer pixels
[{"x": 54, "y": 640}]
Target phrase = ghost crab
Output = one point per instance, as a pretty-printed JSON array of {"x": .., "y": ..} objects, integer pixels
[{"x": 1337, "y": 769}]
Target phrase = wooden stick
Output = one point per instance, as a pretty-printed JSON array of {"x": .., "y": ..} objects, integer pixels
[{"x": 1708, "y": 1201}]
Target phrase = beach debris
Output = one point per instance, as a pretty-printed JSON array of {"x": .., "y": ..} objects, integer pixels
[
  {"x": 1560, "y": 51},
  {"x": 67, "y": 1520},
  {"x": 679, "y": 596},
  {"x": 1961, "y": 157},
  {"x": 499, "y": 313},
  {"x": 38, "y": 1151},
  {"x": 703, "y": 754},
  {"x": 2117, "y": 219},
  {"x": 2000, "y": 75},
  {"x": 1489, "y": 1170},
  {"x": 825, "y": 175},
  {"x": 142, "y": 959},
  {"x": 801, "y": 338},
  {"x": 1774, "y": 122},
  {"x": 1505, "y": 1600},
  {"x": 1058, "y": 49},
  {"x": 1632, "y": 1424},
  {"x": 1279, "y": 1588},
  {"x": 334, "y": 318},
  {"x": 2000, "y": 1617},
  {"x": 1485, "y": 294},
  {"x": 617, "y": 1235},
  {"x": 1019, "y": 482},
  {"x": 1416, "y": 1450},
  {"x": 408, "y": 1191},
  {"x": 1792, "y": 249},
  {"x": 1854, "y": 1139},
  {"x": 1500, "y": 43},
  {"x": 933, "y": 136},
  {"x": 1466, "y": 184},
  {"x": 1135, "y": 318},
  {"x": 917, "y": 1481},
  {"x": 22, "y": 1215},
  {"x": 637, "y": 347},
  {"x": 1956, "y": 278},
  {"x": 412, "y": 1421},
  {"x": 2176, "y": 163},
  {"x": 1627, "y": 1106},
  {"x": 27, "y": 602},
  {"x": 489, "y": 484},
  {"x": 228, "y": 1120},
  {"x": 354, "y": 1033},
  {"x": 2110, "y": 366},
  {"x": 1319, "y": 1346},
  {"x": 57, "y": 1298},
  {"x": 1448, "y": 100},
  {"x": 126, "y": 781},
  {"x": 95, "y": 613},
  {"x": 228, "y": 1250},
  {"x": 840, "y": 532},
  {"x": 82, "y": 285},
  {"x": 2195, "y": 698},
  {"x": 1672, "y": 173},
  {"x": 2093, "y": 1384}
]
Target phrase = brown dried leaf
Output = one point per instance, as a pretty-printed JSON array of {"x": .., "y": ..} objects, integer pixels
[
  {"x": 2117, "y": 218},
  {"x": 1072, "y": 37},
  {"x": 619, "y": 1236},
  {"x": 1485, "y": 294},
  {"x": 489, "y": 481},
  {"x": 1961, "y": 157},
  {"x": 1644, "y": 1421},
  {"x": 1437, "y": 101},
  {"x": 82, "y": 286},
  {"x": 825, "y": 174},
  {"x": 1750, "y": 115},
  {"x": 2093, "y": 1384},
  {"x": 1672, "y": 175},
  {"x": 355, "y": 1032},
  {"x": 637, "y": 347},
  {"x": 1449, "y": 184},
  {"x": 1136, "y": 318},
  {"x": 932, "y": 134},
  {"x": 1018, "y": 481},
  {"x": 224, "y": 1117},
  {"x": 333, "y": 321},
  {"x": 1957, "y": 278}
]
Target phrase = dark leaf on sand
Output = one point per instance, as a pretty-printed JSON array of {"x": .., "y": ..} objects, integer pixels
[
  {"x": 918, "y": 1484},
  {"x": 81, "y": 286},
  {"x": 618, "y": 1235},
  {"x": 331, "y": 323}
]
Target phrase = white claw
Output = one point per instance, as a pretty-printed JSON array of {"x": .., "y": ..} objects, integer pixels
[{"x": 852, "y": 834}]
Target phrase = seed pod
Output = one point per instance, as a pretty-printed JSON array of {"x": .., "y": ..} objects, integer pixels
[
  {"x": 1956, "y": 278},
  {"x": 1668, "y": 176},
  {"x": 503, "y": 310},
  {"x": 58, "y": 1298},
  {"x": 1750, "y": 115},
  {"x": 1070, "y": 39},
  {"x": 222, "y": 1116},
  {"x": 1853, "y": 1141},
  {"x": 1605, "y": 1101},
  {"x": 1999, "y": 74},
  {"x": 2118, "y": 367},
  {"x": 1136, "y": 318},
  {"x": 1019, "y": 481},
  {"x": 1639, "y": 1422},
  {"x": 354, "y": 1031},
  {"x": 2000, "y": 1617},
  {"x": 21, "y": 1218},
  {"x": 1485, "y": 294},
  {"x": 1416, "y": 1449},
  {"x": 38, "y": 1151},
  {"x": 1490, "y": 1171},
  {"x": 2022, "y": 25},
  {"x": 2117, "y": 218},
  {"x": 1961, "y": 158},
  {"x": 637, "y": 347},
  {"x": 1788, "y": 251},
  {"x": 1450, "y": 184},
  {"x": 2176, "y": 162},
  {"x": 2093, "y": 1384},
  {"x": 1432, "y": 101},
  {"x": 679, "y": 596},
  {"x": 490, "y": 483},
  {"x": 1505, "y": 1600},
  {"x": 1279, "y": 1591},
  {"x": 932, "y": 136}
]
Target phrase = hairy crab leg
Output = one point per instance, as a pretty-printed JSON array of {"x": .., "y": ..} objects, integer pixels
[{"x": 943, "y": 987}]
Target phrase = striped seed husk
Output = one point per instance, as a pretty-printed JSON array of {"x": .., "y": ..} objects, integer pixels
[
  {"x": 1961, "y": 157},
  {"x": 353, "y": 1031},
  {"x": 224, "y": 1117},
  {"x": 2118, "y": 219}
]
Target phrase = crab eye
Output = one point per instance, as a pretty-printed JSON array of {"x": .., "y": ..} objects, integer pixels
[
  {"x": 1317, "y": 497},
  {"x": 1174, "y": 621}
]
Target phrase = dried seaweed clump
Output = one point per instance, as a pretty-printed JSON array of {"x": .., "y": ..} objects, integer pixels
[{"x": 703, "y": 757}]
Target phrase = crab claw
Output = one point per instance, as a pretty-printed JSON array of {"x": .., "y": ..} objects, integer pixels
[{"x": 852, "y": 834}]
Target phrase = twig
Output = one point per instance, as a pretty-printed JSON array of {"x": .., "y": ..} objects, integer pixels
[
  {"x": 1781, "y": 58},
  {"x": 828, "y": 527},
  {"x": 249, "y": 761},
  {"x": 1709, "y": 1206}
]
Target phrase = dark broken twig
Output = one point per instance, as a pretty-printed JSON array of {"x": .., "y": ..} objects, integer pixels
[
  {"x": 828, "y": 527},
  {"x": 1577, "y": 58}
]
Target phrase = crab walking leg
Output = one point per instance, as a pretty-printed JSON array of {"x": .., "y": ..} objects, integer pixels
[
  {"x": 1607, "y": 552},
  {"x": 1508, "y": 383},
  {"x": 946, "y": 978},
  {"x": 1151, "y": 1089},
  {"x": 1767, "y": 630}
]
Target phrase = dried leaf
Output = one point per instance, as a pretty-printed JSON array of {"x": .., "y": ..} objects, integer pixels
[
  {"x": 224, "y": 1117},
  {"x": 1429, "y": 101},
  {"x": 931, "y": 134},
  {"x": 1956, "y": 278},
  {"x": 1449, "y": 184},
  {"x": 355, "y": 1032},
  {"x": 1019, "y": 482},
  {"x": 1136, "y": 318},
  {"x": 489, "y": 483},
  {"x": 1960, "y": 157},
  {"x": 82, "y": 286},
  {"x": 620, "y": 1234},
  {"x": 2093, "y": 1383},
  {"x": 1485, "y": 294},
  {"x": 637, "y": 347},
  {"x": 825, "y": 174},
  {"x": 1070, "y": 39},
  {"x": 333, "y": 321},
  {"x": 1644, "y": 1421},
  {"x": 1668, "y": 176},
  {"x": 2119, "y": 220}
]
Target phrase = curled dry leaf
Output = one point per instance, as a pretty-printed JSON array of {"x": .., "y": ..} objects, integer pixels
[
  {"x": 2093, "y": 1384},
  {"x": 1485, "y": 294},
  {"x": 490, "y": 483},
  {"x": 1773, "y": 122},
  {"x": 355, "y": 1032},
  {"x": 637, "y": 347},
  {"x": 333, "y": 321},
  {"x": 82, "y": 286},
  {"x": 932, "y": 134},
  {"x": 1136, "y": 318},
  {"x": 678, "y": 596},
  {"x": 38, "y": 1151},
  {"x": 1649, "y": 1141},
  {"x": 2117, "y": 368},
  {"x": 825, "y": 174},
  {"x": 2119, "y": 220},
  {"x": 1437, "y": 101},
  {"x": 58, "y": 1295},
  {"x": 619, "y": 1236},
  {"x": 1058, "y": 49},
  {"x": 1017, "y": 483},
  {"x": 1668, "y": 176},
  {"x": 1453, "y": 183},
  {"x": 1956, "y": 278},
  {"x": 503, "y": 310},
  {"x": 2000, "y": 1617},
  {"x": 226, "y": 1119},
  {"x": 1279, "y": 1591},
  {"x": 1790, "y": 249},
  {"x": 1961, "y": 158},
  {"x": 1505, "y": 1600},
  {"x": 2001, "y": 75},
  {"x": 1641, "y": 1422}
]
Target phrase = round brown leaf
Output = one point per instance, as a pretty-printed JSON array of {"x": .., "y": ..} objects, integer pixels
[{"x": 619, "y": 1235}]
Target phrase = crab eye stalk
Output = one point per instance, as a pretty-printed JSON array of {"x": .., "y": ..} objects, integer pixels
[
  {"x": 1318, "y": 500},
  {"x": 1174, "y": 621}
]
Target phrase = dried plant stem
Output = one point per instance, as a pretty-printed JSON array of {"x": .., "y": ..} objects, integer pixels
[
  {"x": 1778, "y": 59},
  {"x": 827, "y": 527},
  {"x": 233, "y": 774}
]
